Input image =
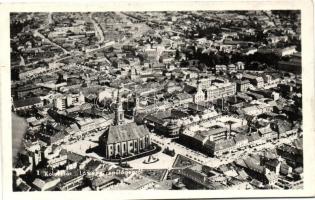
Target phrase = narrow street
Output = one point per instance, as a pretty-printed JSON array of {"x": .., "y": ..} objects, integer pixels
[
  {"x": 37, "y": 33},
  {"x": 98, "y": 31}
]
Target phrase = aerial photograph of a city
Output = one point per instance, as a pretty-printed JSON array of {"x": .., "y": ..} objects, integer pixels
[{"x": 156, "y": 100}]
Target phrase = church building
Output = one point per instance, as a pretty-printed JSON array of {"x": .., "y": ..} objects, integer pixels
[{"x": 124, "y": 140}]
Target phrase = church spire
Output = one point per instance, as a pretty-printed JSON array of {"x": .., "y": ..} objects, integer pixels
[{"x": 119, "y": 112}]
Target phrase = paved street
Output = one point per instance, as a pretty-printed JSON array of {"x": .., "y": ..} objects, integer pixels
[
  {"x": 180, "y": 149},
  {"x": 37, "y": 33},
  {"x": 212, "y": 161},
  {"x": 98, "y": 30}
]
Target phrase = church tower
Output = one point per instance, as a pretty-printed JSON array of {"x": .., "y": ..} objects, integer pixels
[
  {"x": 119, "y": 112},
  {"x": 199, "y": 96},
  {"x": 136, "y": 104}
]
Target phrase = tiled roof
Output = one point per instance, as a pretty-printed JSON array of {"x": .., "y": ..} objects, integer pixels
[
  {"x": 271, "y": 176},
  {"x": 242, "y": 174},
  {"x": 253, "y": 137},
  {"x": 102, "y": 180},
  {"x": 124, "y": 132},
  {"x": 216, "y": 131},
  {"x": 200, "y": 136},
  {"x": 284, "y": 168},
  {"x": 163, "y": 115},
  {"x": 240, "y": 137},
  {"x": 92, "y": 165},
  {"x": 223, "y": 168},
  {"x": 72, "y": 156},
  {"x": 73, "y": 174},
  {"x": 298, "y": 143},
  {"x": 28, "y": 87},
  {"x": 270, "y": 154},
  {"x": 155, "y": 119},
  {"x": 39, "y": 183},
  {"x": 250, "y": 163},
  {"x": 27, "y": 102},
  {"x": 272, "y": 162},
  {"x": 182, "y": 96},
  {"x": 265, "y": 130},
  {"x": 224, "y": 144},
  {"x": 289, "y": 149},
  {"x": 256, "y": 183},
  {"x": 24, "y": 187},
  {"x": 196, "y": 107},
  {"x": 57, "y": 136},
  {"x": 240, "y": 162},
  {"x": 283, "y": 125}
]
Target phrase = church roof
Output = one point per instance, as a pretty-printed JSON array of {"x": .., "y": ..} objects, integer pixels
[{"x": 125, "y": 132}]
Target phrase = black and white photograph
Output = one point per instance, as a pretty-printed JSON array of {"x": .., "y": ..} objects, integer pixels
[{"x": 157, "y": 100}]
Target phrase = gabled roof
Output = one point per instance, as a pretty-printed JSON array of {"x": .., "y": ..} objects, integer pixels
[
  {"x": 242, "y": 174},
  {"x": 240, "y": 138},
  {"x": 39, "y": 183},
  {"x": 75, "y": 157},
  {"x": 253, "y": 137},
  {"x": 200, "y": 136},
  {"x": 240, "y": 162},
  {"x": 223, "y": 144},
  {"x": 27, "y": 102},
  {"x": 289, "y": 149},
  {"x": 125, "y": 132},
  {"x": 183, "y": 96},
  {"x": 298, "y": 143},
  {"x": 57, "y": 137},
  {"x": 271, "y": 176},
  {"x": 103, "y": 180},
  {"x": 256, "y": 183},
  {"x": 272, "y": 162},
  {"x": 24, "y": 186},
  {"x": 265, "y": 130},
  {"x": 92, "y": 165},
  {"x": 283, "y": 125},
  {"x": 216, "y": 131},
  {"x": 250, "y": 163}
]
